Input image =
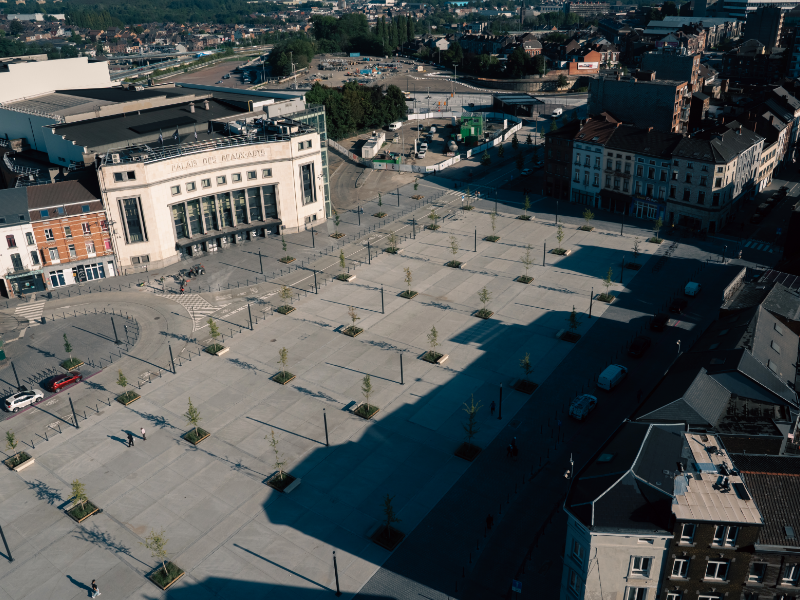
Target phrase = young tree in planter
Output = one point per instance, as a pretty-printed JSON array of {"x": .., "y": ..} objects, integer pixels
[
  {"x": 453, "y": 249},
  {"x": 283, "y": 360},
  {"x": 392, "y": 242},
  {"x": 501, "y": 152},
  {"x": 342, "y": 264},
  {"x": 493, "y": 218},
  {"x": 486, "y": 160},
  {"x": 286, "y": 258},
  {"x": 79, "y": 493},
  {"x": 157, "y": 544},
  {"x": 560, "y": 236},
  {"x": 336, "y": 221},
  {"x": 353, "y": 317},
  {"x": 553, "y": 126},
  {"x": 607, "y": 281},
  {"x": 68, "y": 347},
  {"x": 525, "y": 365},
  {"x": 520, "y": 162},
  {"x": 11, "y": 444},
  {"x": 574, "y": 323},
  {"x": 467, "y": 199},
  {"x": 408, "y": 280},
  {"x": 588, "y": 216},
  {"x": 279, "y": 463},
  {"x": 515, "y": 142},
  {"x": 528, "y": 140},
  {"x": 366, "y": 391},
  {"x": 122, "y": 381},
  {"x": 471, "y": 427},
  {"x": 527, "y": 262},
  {"x": 193, "y": 416},
  {"x": 526, "y": 206},
  {"x": 635, "y": 249},
  {"x": 416, "y": 184},
  {"x": 213, "y": 331},
  {"x": 434, "y": 218},
  {"x": 657, "y": 228},
  {"x": 285, "y": 295},
  {"x": 484, "y": 296},
  {"x": 391, "y": 517},
  {"x": 433, "y": 340}
]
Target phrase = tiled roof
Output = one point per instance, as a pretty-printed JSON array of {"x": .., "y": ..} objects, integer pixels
[
  {"x": 60, "y": 194},
  {"x": 774, "y": 482}
]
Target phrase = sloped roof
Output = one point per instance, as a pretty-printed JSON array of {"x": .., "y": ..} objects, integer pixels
[
  {"x": 774, "y": 482},
  {"x": 636, "y": 139},
  {"x": 702, "y": 403}
]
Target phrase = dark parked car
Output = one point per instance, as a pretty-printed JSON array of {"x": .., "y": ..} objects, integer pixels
[
  {"x": 659, "y": 322},
  {"x": 639, "y": 346},
  {"x": 55, "y": 383},
  {"x": 756, "y": 218},
  {"x": 678, "y": 305}
]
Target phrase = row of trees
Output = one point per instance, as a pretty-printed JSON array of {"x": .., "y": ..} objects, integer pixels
[{"x": 354, "y": 107}]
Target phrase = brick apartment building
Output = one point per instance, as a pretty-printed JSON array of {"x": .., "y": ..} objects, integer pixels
[{"x": 71, "y": 232}]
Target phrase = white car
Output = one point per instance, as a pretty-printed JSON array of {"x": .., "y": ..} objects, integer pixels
[
  {"x": 421, "y": 154},
  {"x": 22, "y": 399},
  {"x": 423, "y": 147},
  {"x": 582, "y": 406},
  {"x": 525, "y": 172}
]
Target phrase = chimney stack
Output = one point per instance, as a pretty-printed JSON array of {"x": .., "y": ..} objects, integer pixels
[
  {"x": 206, "y": 105},
  {"x": 191, "y": 107}
]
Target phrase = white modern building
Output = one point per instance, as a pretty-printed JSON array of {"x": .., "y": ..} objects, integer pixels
[
  {"x": 203, "y": 169},
  {"x": 20, "y": 266}
]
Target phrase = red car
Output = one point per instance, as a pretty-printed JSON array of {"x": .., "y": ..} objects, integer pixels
[{"x": 55, "y": 383}]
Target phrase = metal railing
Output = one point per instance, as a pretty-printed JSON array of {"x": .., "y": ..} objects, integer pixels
[{"x": 19, "y": 169}]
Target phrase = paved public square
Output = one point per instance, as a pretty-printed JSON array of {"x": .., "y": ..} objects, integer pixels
[{"x": 227, "y": 529}]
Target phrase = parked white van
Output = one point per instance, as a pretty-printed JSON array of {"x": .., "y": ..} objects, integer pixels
[
  {"x": 692, "y": 289},
  {"x": 395, "y": 126},
  {"x": 611, "y": 376},
  {"x": 558, "y": 112},
  {"x": 581, "y": 406}
]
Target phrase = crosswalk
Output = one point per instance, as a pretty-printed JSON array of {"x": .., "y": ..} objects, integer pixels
[
  {"x": 31, "y": 311},
  {"x": 759, "y": 245},
  {"x": 197, "y": 306}
]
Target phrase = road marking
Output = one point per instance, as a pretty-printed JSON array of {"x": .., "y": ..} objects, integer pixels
[{"x": 31, "y": 311}]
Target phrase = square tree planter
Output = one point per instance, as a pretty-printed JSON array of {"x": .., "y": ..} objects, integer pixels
[
  {"x": 287, "y": 259},
  {"x": 366, "y": 412},
  {"x": 283, "y": 377},
  {"x": 408, "y": 294},
  {"x": 633, "y": 266},
  {"x": 285, "y": 309},
  {"x": 524, "y": 217},
  {"x": 560, "y": 252},
  {"x": 585, "y": 227},
  {"x": 71, "y": 363},
  {"x": 569, "y": 336},
  {"x": 526, "y": 279},
  {"x": 483, "y": 313},
  {"x": 435, "y": 357},
  {"x": 352, "y": 331},
  {"x": 284, "y": 484},
  {"x": 80, "y": 514},
  {"x": 379, "y": 215},
  {"x": 195, "y": 438},
  {"x": 345, "y": 277},
  {"x": 655, "y": 240},
  {"x": 336, "y": 236},
  {"x": 393, "y": 250},
  {"x": 216, "y": 349},
  {"x": 388, "y": 538},
  {"x": 454, "y": 264},
  {"x": 525, "y": 386},
  {"x": 468, "y": 451},
  {"x": 432, "y": 227},
  {"x": 21, "y": 461},
  {"x": 491, "y": 238},
  {"x": 128, "y": 397},
  {"x": 606, "y": 298},
  {"x": 165, "y": 580}
]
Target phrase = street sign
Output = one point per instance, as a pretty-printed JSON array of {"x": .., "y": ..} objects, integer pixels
[{"x": 516, "y": 586}]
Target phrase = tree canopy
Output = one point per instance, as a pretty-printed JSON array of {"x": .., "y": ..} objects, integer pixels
[{"x": 355, "y": 107}]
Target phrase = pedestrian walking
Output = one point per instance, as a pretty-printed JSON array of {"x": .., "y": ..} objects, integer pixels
[
  {"x": 489, "y": 522},
  {"x": 95, "y": 589},
  {"x": 130, "y": 440},
  {"x": 509, "y": 451},
  {"x": 491, "y": 408},
  {"x": 181, "y": 290},
  {"x": 144, "y": 436}
]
